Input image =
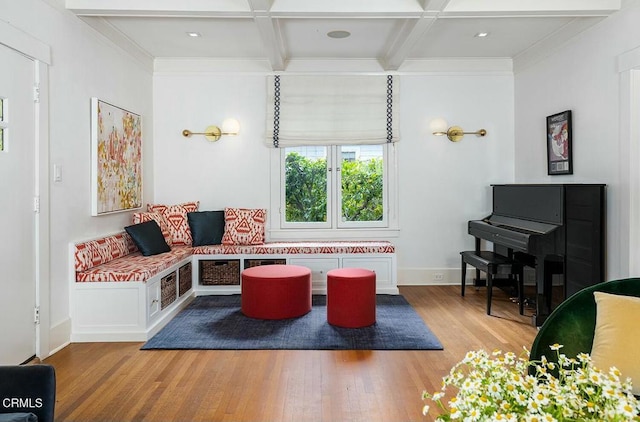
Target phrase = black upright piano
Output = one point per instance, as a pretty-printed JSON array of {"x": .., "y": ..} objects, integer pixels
[{"x": 557, "y": 229}]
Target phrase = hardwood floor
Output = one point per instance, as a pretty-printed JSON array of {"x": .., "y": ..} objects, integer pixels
[{"x": 118, "y": 382}]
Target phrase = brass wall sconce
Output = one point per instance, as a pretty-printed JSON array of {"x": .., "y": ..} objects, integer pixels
[
  {"x": 213, "y": 133},
  {"x": 439, "y": 127}
]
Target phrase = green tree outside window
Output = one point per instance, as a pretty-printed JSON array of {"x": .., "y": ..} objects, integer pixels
[{"x": 306, "y": 189}]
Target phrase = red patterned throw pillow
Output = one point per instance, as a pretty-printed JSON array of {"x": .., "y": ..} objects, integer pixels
[
  {"x": 141, "y": 217},
  {"x": 243, "y": 226},
  {"x": 176, "y": 218}
]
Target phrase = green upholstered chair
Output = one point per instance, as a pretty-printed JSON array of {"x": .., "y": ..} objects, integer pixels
[{"x": 572, "y": 323}]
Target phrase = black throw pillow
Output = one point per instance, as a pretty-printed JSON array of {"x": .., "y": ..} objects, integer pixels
[
  {"x": 148, "y": 238},
  {"x": 207, "y": 227}
]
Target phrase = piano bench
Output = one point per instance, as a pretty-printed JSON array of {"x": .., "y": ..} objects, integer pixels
[{"x": 493, "y": 264}]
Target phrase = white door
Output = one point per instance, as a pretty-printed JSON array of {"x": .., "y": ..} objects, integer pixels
[{"x": 17, "y": 217}]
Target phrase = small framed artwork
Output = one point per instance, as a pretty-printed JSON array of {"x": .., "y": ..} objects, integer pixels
[
  {"x": 116, "y": 159},
  {"x": 559, "y": 152}
]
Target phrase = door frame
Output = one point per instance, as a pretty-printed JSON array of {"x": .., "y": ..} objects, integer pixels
[
  {"x": 40, "y": 54},
  {"x": 628, "y": 64}
]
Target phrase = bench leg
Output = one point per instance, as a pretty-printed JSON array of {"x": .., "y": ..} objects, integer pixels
[
  {"x": 464, "y": 276},
  {"x": 489, "y": 290}
]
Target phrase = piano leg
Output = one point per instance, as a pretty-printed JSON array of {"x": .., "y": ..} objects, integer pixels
[
  {"x": 541, "y": 308},
  {"x": 489, "y": 291},
  {"x": 552, "y": 265},
  {"x": 544, "y": 287},
  {"x": 476, "y": 281}
]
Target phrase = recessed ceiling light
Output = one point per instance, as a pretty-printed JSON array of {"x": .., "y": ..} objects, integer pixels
[
  {"x": 481, "y": 34},
  {"x": 193, "y": 34},
  {"x": 338, "y": 34}
]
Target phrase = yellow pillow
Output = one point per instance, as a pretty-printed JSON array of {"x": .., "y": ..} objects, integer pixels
[{"x": 616, "y": 341}]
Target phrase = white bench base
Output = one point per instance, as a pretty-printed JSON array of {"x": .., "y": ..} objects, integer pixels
[
  {"x": 384, "y": 265},
  {"x": 123, "y": 310}
]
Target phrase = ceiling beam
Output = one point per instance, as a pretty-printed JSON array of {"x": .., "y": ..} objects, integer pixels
[
  {"x": 434, "y": 5},
  {"x": 346, "y": 8},
  {"x": 475, "y": 8},
  {"x": 260, "y": 5},
  {"x": 408, "y": 36},
  {"x": 269, "y": 32},
  {"x": 168, "y": 8},
  {"x": 369, "y": 8},
  {"x": 272, "y": 41}
]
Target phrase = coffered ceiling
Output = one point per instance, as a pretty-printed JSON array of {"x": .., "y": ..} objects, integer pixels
[{"x": 389, "y": 33}]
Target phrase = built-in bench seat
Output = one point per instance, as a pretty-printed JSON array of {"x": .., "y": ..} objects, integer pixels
[{"x": 120, "y": 295}]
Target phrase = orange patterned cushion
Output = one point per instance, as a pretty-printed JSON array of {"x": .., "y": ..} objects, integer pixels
[
  {"x": 142, "y": 217},
  {"x": 134, "y": 267},
  {"x": 279, "y": 248},
  {"x": 98, "y": 251},
  {"x": 244, "y": 226},
  {"x": 176, "y": 218}
]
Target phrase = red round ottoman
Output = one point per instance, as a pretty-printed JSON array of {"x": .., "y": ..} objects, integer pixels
[
  {"x": 276, "y": 291},
  {"x": 351, "y": 297}
]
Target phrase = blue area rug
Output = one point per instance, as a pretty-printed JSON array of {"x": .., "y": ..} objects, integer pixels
[{"x": 216, "y": 322}]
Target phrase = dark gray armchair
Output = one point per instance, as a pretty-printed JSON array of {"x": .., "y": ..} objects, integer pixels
[{"x": 25, "y": 390}]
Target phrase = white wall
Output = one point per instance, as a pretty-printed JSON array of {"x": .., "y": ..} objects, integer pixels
[
  {"x": 583, "y": 77},
  {"x": 231, "y": 172},
  {"x": 442, "y": 184},
  {"x": 84, "y": 65}
]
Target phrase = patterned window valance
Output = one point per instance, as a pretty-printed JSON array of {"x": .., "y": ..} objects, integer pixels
[{"x": 332, "y": 110}]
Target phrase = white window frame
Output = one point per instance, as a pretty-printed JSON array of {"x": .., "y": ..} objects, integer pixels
[{"x": 279, "y": 229}]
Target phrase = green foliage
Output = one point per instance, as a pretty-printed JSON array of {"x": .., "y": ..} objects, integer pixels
[
  {"x": 362, "y": 184},
  {"x": 306, "y": 189}
]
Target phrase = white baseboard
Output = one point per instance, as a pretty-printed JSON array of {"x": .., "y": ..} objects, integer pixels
[
  {"x": 431, "y": 276},
  {"x": 450, "y": 276},
  {"x": 59, "y": 336},
  {"x": 120, "y": 336},
  {"x": 57, "y": 349}
]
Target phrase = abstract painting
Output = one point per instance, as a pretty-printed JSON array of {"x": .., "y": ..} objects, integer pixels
[{"x": 116, "y": 150}]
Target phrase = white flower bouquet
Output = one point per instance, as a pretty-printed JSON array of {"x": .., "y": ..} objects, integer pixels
[{"x": 504, "y": 387}]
